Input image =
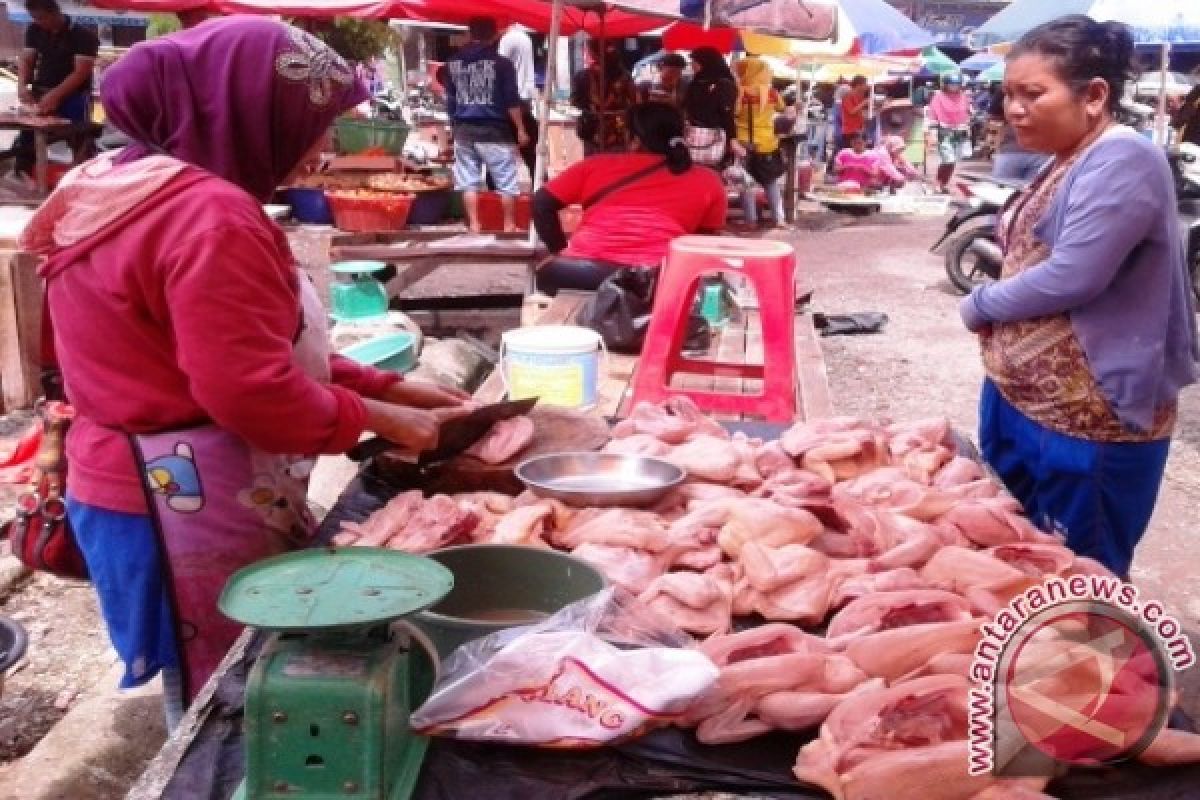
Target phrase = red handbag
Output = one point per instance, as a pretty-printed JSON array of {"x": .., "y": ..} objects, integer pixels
[{"x": 39, "y": 534}]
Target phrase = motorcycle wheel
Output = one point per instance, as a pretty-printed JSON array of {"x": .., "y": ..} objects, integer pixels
[{"x": 965, "y": 269}]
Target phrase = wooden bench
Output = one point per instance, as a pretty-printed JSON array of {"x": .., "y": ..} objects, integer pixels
[{"x": 738, "y": 341}]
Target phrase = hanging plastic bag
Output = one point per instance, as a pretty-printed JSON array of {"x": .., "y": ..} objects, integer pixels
[{"x": 600, "y": 671}]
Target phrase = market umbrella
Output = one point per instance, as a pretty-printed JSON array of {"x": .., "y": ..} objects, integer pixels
[
  {"x": 868, "y": 26},
  {"x": 993, "y": 74},
  {"x": 934, "y": 62},
  {"x": 980, "y": 62},
  {"x": 1160, "y": 22}
]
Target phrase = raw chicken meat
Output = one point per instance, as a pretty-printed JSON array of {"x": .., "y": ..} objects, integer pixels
[
  {"x": 628, "y": 567},
  {"x": 793, "y": 583},
  {"x": 888, "y": 610},
  {"x": 621, "y": 527},
  {"x": 795, "y": 487},
  {"x": 772, "y": 459},
  {"x": 993, "y": 521},
  {"x": 414, "y": 524},
  {"x": 765, "y": 522},
  {"x": 674, "y": 422},
  {"x": 958, "y": 472},
  {"x": 771, "y": 639},
  {"x": 526, "y": 525},
  {"x": 889, "y": 654},
  {"x": 747, "y": 473},
  {"x": 1035, "y": 560},
  {"x": 506, "y": 439},
  {"x": 891, "y": 489},
  {"x": 1171, "y": 748},
  {"x": 800, "y": 710},
  {"x": 638, "y": 444},
  {"x": 695, "y": 602},
  {"x": 707, "y": 458},
  {"x": 958, "y": 569}
]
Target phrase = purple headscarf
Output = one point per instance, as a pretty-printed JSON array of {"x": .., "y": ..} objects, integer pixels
[{"x": 242, "y": 97}]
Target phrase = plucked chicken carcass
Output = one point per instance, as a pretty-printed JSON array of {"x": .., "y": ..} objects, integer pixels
[
  {"x": 906, "y": 742},
  {"x": 707, "y": 458},
  {"x": 887, "y": 610},
  {"x": 622, "y": 527},
  {"x": 696, "y": 602},
  {"x": 673, "y": 422},
  {"x": 638, "y": 444},
  {"x": 988, "y": 522},
  {"x": 891, "y": 654},
  {"x": 789, "y": 674},
  {"x": 891, "y": 489}
]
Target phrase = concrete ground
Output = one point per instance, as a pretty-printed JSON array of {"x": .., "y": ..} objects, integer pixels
[{"x": 923, "y": 364}]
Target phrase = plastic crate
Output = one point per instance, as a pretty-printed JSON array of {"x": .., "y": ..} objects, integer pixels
[
  {"x": 358, "y": 212},
  {"x": 491, "y": 212},
  {"x": 356, "y": 136}
]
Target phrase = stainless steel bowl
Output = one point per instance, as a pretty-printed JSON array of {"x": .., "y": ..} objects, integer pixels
[{"x": 600, "y": 479}]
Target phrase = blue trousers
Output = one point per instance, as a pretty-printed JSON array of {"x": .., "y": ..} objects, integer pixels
[
  {"x": 121, "y": 551},
  {"x": 1099, "y": 495}
]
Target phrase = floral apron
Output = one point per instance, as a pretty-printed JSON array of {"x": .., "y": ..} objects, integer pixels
[{"x": 219, "y": 504}]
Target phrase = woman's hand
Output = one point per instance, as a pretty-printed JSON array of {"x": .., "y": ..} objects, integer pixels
[
  {"x": 412, "y": 428},
  {"x": 424, "y": 394},
  {"x": 738, "y": 149}
]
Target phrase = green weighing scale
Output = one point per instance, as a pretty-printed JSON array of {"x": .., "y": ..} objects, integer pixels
[
  {"x": 357, "y": 294},
  {"x": 328, "y": 700}
]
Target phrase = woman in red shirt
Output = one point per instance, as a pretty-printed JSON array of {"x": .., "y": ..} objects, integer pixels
[
  {"x": 634, "y": 204},
  {"x": 191, "y": 346}
]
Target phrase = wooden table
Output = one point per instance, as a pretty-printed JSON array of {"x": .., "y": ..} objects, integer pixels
[
  {"x": 738, "y": 341},
  {"x": 418, "y": 254},
  {"x": 42, "y": 128}
]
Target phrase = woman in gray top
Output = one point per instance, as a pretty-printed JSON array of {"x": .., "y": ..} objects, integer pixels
[{"x": 1090, "y": 334}]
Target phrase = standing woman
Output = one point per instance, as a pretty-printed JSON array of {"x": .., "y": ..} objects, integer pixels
[
  {"x": 193, "y": 350},
  {"x": 1090, "y": 334},
  {"x": 604, "y": 93},
  {"x": 709, "y": 108},
  {"x": 949, "y": 115},
  {"x": 756, "y": 143}
]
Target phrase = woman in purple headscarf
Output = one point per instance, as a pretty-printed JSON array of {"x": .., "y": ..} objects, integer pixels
[{"x": 192, "y": 348}]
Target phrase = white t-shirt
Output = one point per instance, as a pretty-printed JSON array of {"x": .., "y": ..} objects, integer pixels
[{"x": 517, "y": 47}]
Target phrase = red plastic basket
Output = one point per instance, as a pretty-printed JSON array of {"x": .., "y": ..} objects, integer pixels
[{"x": 370, "y": 212}]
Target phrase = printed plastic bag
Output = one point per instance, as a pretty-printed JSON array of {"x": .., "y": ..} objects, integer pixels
[{"x": 599, "y": 671}]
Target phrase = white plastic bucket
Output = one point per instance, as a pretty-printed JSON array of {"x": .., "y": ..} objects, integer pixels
[{"x": 560, "y": 364}]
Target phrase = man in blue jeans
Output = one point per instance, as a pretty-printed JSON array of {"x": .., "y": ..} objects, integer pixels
[
  {"x": 54, "y": 73},
  {"x": 484, "y": 106}
]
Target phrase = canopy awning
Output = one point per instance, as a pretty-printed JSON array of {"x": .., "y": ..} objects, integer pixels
[{"x": 88, "y": 15}]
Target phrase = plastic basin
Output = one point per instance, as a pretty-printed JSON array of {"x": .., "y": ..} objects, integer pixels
[
  {"x": 502, "y": 586},
  {"x": 396, "y": 352},
  {"x": 309, "y": 206}
]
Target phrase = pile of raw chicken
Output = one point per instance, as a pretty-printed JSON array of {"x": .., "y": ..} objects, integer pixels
[{"x": 883, "y": 534}]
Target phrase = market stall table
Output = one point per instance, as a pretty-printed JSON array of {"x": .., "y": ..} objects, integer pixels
[{"x": 43, "y": 129}]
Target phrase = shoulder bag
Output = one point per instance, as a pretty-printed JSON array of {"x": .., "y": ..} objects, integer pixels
[
  {"x": 40, "y": 534},
  {"x": 763, "y": 167}
]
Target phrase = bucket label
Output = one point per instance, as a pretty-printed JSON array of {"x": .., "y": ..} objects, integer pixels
[{"x": 558, "y": 384}]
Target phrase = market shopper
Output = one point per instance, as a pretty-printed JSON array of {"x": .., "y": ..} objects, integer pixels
[
  {"x": 187, "y": 335},
  {"x": 710, "y": 108},
  {"x": 484, "y": 106},
  {"x": 634, "y": 204},
  {"x": 856, "y": 167},
  {"x": 603, "y": 91},
  {"x": 1187, "y": 117},
  {"x": 516, "y": 45},
  {"x": 1090, "y": 334},
  {"x": 669, "y": 84},
  {"x": 856, "y": 110},
  {"x": 1012, "y": 162},
  {"x": 756, "y": 144},
  {"x": 949, "y": 115},
  {"x": 54, "y": 75},
  {"x": 894, "y": 169}
]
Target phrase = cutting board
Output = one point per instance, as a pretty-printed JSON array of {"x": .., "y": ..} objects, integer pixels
[{"x": 555, "y": 430}]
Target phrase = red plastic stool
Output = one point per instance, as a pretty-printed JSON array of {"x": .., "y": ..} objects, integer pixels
[{"x": 770, "y": 266}]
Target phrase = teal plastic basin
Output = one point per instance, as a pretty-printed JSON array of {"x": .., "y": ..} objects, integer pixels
[{"x": 395, "y": 352}]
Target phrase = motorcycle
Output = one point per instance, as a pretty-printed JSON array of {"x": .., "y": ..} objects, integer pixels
[
  {"x": 972, "y": 254},
  {"x": 1185, "y": 166}
]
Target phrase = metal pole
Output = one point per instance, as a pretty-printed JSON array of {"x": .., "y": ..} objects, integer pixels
[
  {"x": 603, "y": 61},
  {"x": 1161, "y": 126},
  {"x": 543, "y": 148}
]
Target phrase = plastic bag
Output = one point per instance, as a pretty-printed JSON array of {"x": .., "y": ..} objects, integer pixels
[
  {"x": 600, "y": 671},
  {"x": 620, "y": 312}
]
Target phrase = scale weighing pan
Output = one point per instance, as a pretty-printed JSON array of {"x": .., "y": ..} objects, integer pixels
[{"x": 333, "y": 587}]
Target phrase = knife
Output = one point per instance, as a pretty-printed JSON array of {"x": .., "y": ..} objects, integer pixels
[{"x": 455, "y": 435}]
